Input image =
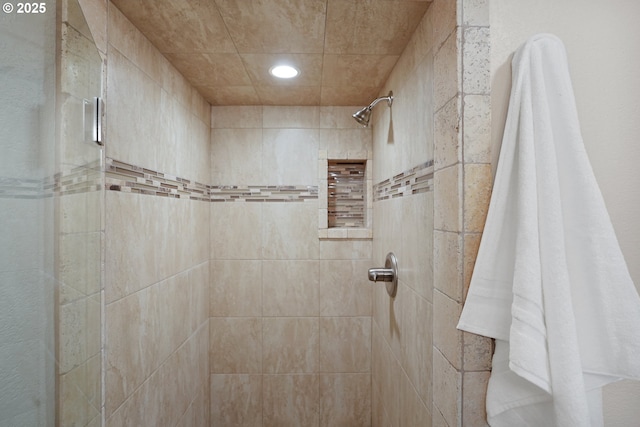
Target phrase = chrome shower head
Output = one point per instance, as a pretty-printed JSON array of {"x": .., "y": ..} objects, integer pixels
[{"x": 364, "y": 115}]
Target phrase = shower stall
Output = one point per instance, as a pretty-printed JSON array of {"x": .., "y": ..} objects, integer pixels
[{"x": 50, "y": 218}]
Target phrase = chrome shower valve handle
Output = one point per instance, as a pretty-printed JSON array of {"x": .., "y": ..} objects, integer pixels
[{"x": 388, "y": 274}]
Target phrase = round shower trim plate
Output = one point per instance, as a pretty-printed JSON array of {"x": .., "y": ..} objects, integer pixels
[{"x": 391, "y": 262}]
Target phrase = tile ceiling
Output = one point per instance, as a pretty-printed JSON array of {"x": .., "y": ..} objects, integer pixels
[{"x": 344, "y": 49}]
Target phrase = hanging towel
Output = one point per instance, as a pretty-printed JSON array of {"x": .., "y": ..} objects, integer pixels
[{"x": 550, "y": 282}]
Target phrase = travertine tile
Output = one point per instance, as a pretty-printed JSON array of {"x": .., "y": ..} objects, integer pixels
[
  {"x": 236, "y": 230},
  {"x": 290, "y": 400},
  {"x": 125, "y": 37},
  {"x": 477, "y": 352},
  {"x": 437, "y": 419},
  {"x": 200, "y": 107},
  {"x": 345, "y": 289},
  {"x": 236, "y": 400},
  {"x": 477, "y": 61},
  {"x": 235, "y": 345},
  {"x": 236, "y": 288},
  {"x": 236, "y": 157},
  {"x": 290, "y": 288},
  {"x": 447, "y": 390},
  {"x": 348, "y": 24},
  {"x": 291, "y": 117},
  {"x": 290, "y": 156},
  {"x": 414, "y": 412},
  {"x": 345, "y": 249},
  {"x": 95, "y": 13},
  {"x": 348, "y": 95},
  {"x": 80, "y": 389},
  {"x": 475, "y": 12},
  {"x": 446, "y": 337},
  {"x": 448, "y": 147},
  {"x": 153, "y": 403},
  {"x": 474, "y": 398},
  {"x": 446, "y": 78},
  {"x": 283, "y": 25},
  {"x": 197, "y": 67},
  {"x": 471, "y": 247},
  {"x": 416, "y": 342},
  {"x": 345, "y": 344},
  {"x": 178, "y": 19},
  {"x": 274, "y": 95},
  {"x": 345, "y": 70},
  {"x": 444, "y": 19},
  {"x": 236, "y": 117},
  {"x": 377, "y": 407},
  {"x": 340, "y": 142},
  {"x": 345, "y": 400},
  {"x": 290, "y": 230},
  {"x": 79, "y": 265},
  {"x": 448, "y": 199},
  {"x": 131, "y": 91},
  {"x": 477, "y": 193},
  {"x": 129, "y": 266},
  {"x": 447, "y": 261},
  {"x": 477, "y": 128},
  {"x": 416, "y": 268},
  {"x": 335, "y": 117},
  {"x": 230, "y": 95},
  {"x": 290, "y": 345}
]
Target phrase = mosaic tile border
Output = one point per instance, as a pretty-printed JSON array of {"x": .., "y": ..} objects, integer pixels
[
  {"x": 128, "y": 178},
  {"x": 79, "y": 179},
  {"x": 347, "y": 187},
  {"x": 418, "y": 179}
]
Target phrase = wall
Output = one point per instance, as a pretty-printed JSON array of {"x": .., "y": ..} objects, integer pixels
[
  {"x": 425, "y": 372},
  {"x": 156, "y": 234},
  {"x": 290, "y": 313},
  {"x": 402, "y": 327},
  {"x": 602, "y": 41},
  {"x": 27, "y": 165}
]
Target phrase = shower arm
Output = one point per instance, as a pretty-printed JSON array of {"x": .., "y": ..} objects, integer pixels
[{"x": 388, "y": 98}]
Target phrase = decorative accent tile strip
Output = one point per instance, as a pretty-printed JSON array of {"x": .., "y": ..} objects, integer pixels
[
  {"x": 129, "y": 178},
  {"x": 79, "y": 179},
  {"x": 413, "y": 181},
  {"x": 267, "y": 193}
]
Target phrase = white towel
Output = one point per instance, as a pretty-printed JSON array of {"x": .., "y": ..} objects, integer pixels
[{"x": 550, "y": 282}]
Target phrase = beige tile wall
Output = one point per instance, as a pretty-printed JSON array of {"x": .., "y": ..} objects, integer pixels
[
  {"x": 402, "y": 327},
  {"x": 422, "y": 365},
  {"x": 291, "y": 315},
  {"x": 156, "y": 249}
]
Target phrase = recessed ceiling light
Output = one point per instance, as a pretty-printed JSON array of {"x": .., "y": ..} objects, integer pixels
[{"x": 284, "y": 71}]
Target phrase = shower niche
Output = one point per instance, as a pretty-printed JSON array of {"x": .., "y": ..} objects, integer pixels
[{"x": 345, "y": 196}]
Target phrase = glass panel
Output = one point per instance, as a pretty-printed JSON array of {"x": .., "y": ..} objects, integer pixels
[
  {"x": 50, "y": 220},
  {"x": 27, "y": 167},
  {"x": 79, "y": 227}
]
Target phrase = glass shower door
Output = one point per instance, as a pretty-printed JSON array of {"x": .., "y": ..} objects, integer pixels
[
  {"x": 27, "y": 229},
  {"x": 51, "y": 193}
]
